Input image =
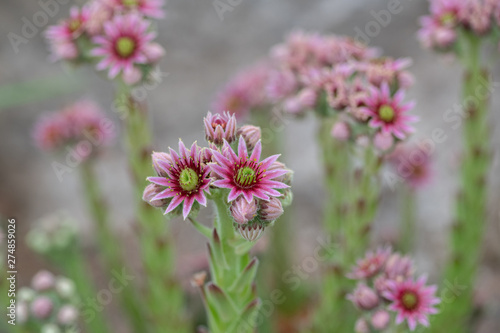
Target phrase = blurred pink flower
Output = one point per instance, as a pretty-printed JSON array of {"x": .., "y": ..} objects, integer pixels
[
  {"x": 388, "y": 112},
  {"x": 412, "y": 301},
  {"x": 150, "y": 8},
  {"x": 123, "y": 45},
  {"x": 371, "y": 264}
]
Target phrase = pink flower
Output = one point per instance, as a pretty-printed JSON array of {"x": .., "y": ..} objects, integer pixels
[
  {"x": 81, "y": 121},
  {"x": 388, "y": 70},
  {"x": 123, "y": 44},
  {"x": 220, "y": 127},
  {"x": 187, "y": 179},
  {"x": 245, "y": 92},
  {"x": 245, "y": 175},
  {"x": 150, "y": 8},
  {"x": 388, "y": 113},
  {"x": 412, "y": 301},
  {"x": 371, "y": 264},
  {"x": 62, "y": 36}
]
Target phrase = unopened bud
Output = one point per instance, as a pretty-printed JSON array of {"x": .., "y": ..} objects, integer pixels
[
  {"x": 150, "y": 192},
  {"x": 242, "y": 211},
  {"x": 271, "y": 210},
  {"x": 383, "y": 141},
  {"x": 364, "y": 297},
  {"x": 341, "y": 131},
  {"x": 67, "y": 315},
  {"x": 43, "y": 280},
  {"x": 161, "y": 162},
  {"x": 380, "y": 320},
  {"x": 251, "y": 135},
  {"x": 251, "y": 232},
  {"x": 42, "y": 307}
]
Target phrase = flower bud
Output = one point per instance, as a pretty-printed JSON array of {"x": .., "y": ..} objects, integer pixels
[
  {"x": 150, "y": 192},
  {"x": 50, "y": 328},
  {"x": 65, "y": 287},
  {"x": 43, "y": 280},
  {"x": 251, "y": 135},
  {"x": 398, "y": 266},
  {"x": 67, "y": 315},
  {"x": 361, "y": 326},
  {"x": 341, "y": 131},
  {"x": 363, "y": 141},
  {"x": 383, "y": 141},
  {"x": 132, "y": 76},
  {"x": 271, "y": 210},
  {"x": 41, "y": 307},
  {"x": 154, "y": 52},
  {"x": 220, "y": 127},
  {"x": 161, "y": 161},
  {"x": 242, "y": 211},
  {"x": 380, "y": 320},
  {"x": 364, "y": 297},
  {"x": 250, "y": 232},
  {"x": 287, "y": 177},
  {"x": 21, "y": 312}
]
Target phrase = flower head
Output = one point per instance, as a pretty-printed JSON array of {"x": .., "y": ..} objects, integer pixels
[
  {"x": 388, "y": 112},
  {"x": 81, "y": 123},
  {"x": 187, "y": 179},
  {"x": 150, "y": 8},
  {"x": 371, "y": 264},
  {"x": 62, "y": 36},
  {"x": 364, "y": 297},
  {"x": 246, "y": 175},
  {"x": 413, "y": 301},
  {"x": 220, "y": 127},
  {"x": 123, "y": 45}
]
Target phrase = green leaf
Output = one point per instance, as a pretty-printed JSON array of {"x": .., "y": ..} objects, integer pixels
[
  {"x": 218, "y": 299},
  {"x": 246, "y": 277}
]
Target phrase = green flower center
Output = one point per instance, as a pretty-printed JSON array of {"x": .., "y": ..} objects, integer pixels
[
  {"x": 188, "y": 179},
  {"x": 130, "y": 2},
  {"x": 386, "y": 113},
  {"x": 409, "y": 300},
  {"x": 74, "y": 25},
  {"x": 448, "y": 18},
  {"x": 246, "y": 176},
  {"x": 125, "y": 46}
]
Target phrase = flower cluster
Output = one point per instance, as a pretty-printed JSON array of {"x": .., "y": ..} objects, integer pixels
[
  {"x": 116, "y": 35},
  {"x": 49, "y": 305},
  {"x": 256, "y": 188},
  {"x": 335, "y": 76},
  {"x": 441, "y": 29},
  {"x": 79, "y": 126},
  {"x": 52, "y": 234},
  {"x": 386, "y": 283}
]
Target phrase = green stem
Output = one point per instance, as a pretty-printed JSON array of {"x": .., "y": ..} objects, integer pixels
[
  {"x": 352, "y": 196},
  {"x": 164, "y": 296},
  {"x": 408, "y": 220},
  {"x": 230, "y": 299},
  {"x": 107, "y": 242},
  {"x": 467, "y": 232}
]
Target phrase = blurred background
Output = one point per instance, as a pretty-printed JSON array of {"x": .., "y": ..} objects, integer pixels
[{"x": 204, "y": 50}]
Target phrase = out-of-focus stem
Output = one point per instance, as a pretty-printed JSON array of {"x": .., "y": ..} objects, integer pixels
[
  {"x": 352, "y": 196},
  {"x": 408, "y": 220},
  {"x": 164, "y": 296},
  {"x": 107, "y": 242},
  {"x": 467, "y": 231}
]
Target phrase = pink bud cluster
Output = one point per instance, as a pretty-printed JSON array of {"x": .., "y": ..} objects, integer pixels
[
  {"x": 441, "y": 29},
  {"x": 50, "y": 302},
  {"x": 81, "y": 126},
  {"x": 334, "y": 76},
  {"x": 115, "y": 35},
  {"x": 386, "y": 284}
]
